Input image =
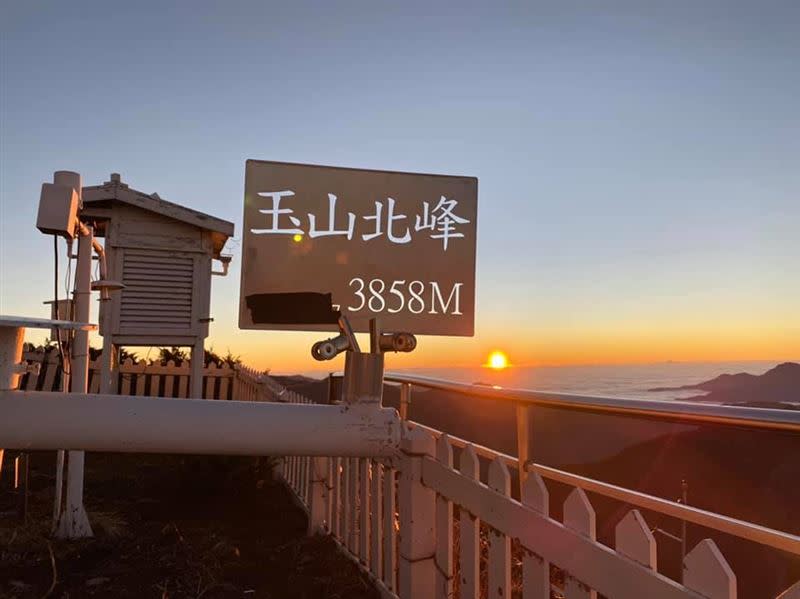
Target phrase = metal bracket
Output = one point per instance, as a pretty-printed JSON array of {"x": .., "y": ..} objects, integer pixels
[
  {"x": 346, "y": 341},
  {"x": 363, "y": 372}
]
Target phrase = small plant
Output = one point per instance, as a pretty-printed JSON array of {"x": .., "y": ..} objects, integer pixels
[
  {"x": 176, "y": 354},
  {"x": 46, "y": 347},
  {"x": 232, "y": 360},
  {"x": 124, "y": 354},
  {"x": 212, "y": 356}
]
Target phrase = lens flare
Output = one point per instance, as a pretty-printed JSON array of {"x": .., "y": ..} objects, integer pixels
[{"x": 497, "y": 360}]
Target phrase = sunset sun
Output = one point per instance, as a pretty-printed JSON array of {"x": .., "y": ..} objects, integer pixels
[{"x": 497, "y": 360}]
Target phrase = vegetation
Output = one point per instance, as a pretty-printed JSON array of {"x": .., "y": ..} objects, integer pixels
[{"x": 177, "y": 355}]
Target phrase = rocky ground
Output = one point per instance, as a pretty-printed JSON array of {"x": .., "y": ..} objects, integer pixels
[{"x": 168, "y": 526}]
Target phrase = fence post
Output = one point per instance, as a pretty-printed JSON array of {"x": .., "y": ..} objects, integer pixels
[
  {"x": 197, "y": 362},
  {"x": 405, "y": 399},
  {"x": 106, "y": 362},
  {"x": 523, "y": 417},
  {"x": 318, "y": 496},
  {"x": 706, "y": 572},
  {"x": 330, "y": 391},
  {"x": 535, "y": 569},
  {"x": 444, "y": 528},
  {"x": 792, "y": 592},
  {"x": 579, "y": 516},
  {"x": 417, "y": 568}
]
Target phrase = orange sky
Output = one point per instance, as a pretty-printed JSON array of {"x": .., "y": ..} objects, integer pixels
[
  {"x": 750, "y": 327},
  {"x": 290, "y": 352},
  {"x": 729, "y": 319}
]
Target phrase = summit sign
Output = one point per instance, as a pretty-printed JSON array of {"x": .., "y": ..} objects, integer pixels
[{"x": 321, "y": 241}]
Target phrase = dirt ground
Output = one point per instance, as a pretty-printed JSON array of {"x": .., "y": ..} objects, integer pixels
[{"x": 169, "y": 526}]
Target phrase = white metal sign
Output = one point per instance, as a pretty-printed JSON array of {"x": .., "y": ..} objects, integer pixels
[{"x": 321, "y": 240}]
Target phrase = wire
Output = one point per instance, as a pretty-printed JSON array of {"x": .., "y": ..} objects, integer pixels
[
  {"x": 64, "y": 360},
  {"x": 68, "y": 278},
  {"x": 56, "y": 310}
]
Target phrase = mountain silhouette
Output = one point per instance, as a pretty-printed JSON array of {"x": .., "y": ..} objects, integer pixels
[{"x": 779, "y": 385}]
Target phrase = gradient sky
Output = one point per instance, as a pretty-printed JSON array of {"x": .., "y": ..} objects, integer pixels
[{"x": 639, "y": 173}]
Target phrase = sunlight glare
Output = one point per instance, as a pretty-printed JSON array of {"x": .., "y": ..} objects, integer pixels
[{"x": 497, "y": 360}]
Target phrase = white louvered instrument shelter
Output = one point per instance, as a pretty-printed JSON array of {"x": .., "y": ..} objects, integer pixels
[{"x": 158, "y": 291}]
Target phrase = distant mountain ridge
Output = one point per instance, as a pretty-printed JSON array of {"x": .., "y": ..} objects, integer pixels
[{"x": 779, "y": 385}]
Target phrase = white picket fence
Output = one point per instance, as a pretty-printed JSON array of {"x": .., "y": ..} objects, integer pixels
[
  {"x": 422, "y": 525},
  {"x": 333, "y": 490},
  {"x": 153, "y": 380}
]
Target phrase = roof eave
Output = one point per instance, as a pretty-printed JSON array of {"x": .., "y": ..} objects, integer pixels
[{"x": 153, "y": 203}]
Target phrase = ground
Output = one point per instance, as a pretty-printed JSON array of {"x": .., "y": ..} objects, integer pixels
[{"x": 168, "y": 526}]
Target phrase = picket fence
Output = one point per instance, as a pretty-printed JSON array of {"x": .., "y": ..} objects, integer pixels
[
  {"x": 422, "y": 526},
  {"x": 431, "y": 522},
  {"x": 152, "y": 380}
]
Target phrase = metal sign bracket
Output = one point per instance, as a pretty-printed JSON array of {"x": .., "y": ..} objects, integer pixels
[{"x": 363, "y": 371}]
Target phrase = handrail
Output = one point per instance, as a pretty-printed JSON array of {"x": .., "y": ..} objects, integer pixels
[
  {"x": 680, "y": 411},
  {"x": 354, "y": 496},
  {"x": 740, "y": 528},
  {"x": 763, "y": 535}
]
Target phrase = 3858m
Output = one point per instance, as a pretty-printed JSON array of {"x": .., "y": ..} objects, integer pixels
[{"x": 377, "y": 295}]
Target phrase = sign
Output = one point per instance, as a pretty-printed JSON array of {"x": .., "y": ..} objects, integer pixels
[{"x": 320, "y": 240}]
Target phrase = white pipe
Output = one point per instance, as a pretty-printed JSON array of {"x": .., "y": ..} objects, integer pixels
[
  {"x": 83, "y": 291},
  {"x": 119, "y": 423},
  {"x": 11, "y": 342},
  {"x": 98, "y": 247},
  {"x": 667, "y": 410},
  {"x": 68, "y": 179},
  {"x": 74, "y": 522}
]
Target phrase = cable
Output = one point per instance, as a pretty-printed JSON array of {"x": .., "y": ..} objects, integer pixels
[
  {"x": 68, "y": 278},
  {"x": 56, "y": 310},
  {"x": 64, "y": 360}
]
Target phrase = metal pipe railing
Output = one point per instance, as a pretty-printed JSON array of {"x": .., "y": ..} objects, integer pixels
[
  {"x": 101, "y": 422},
  {"x": 677, "y": 411},
  {"x": 756, "y": 418}
]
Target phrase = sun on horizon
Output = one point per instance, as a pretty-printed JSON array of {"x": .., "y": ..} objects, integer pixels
[{"x": 497, "y": 360}]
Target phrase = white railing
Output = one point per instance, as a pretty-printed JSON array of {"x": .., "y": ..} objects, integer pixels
[
  {"x": 353, "y": 499},
  {"x": 423, "y": 525}
]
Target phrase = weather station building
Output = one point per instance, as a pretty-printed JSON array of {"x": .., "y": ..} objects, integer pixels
[{"x": 162, "y": 253}]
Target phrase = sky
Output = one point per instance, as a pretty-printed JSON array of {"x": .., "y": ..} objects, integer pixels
[{"x": 638, "y": 162}]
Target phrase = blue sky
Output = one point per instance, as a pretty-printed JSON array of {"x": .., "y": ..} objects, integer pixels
[{"x": 638, "y": 165}]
